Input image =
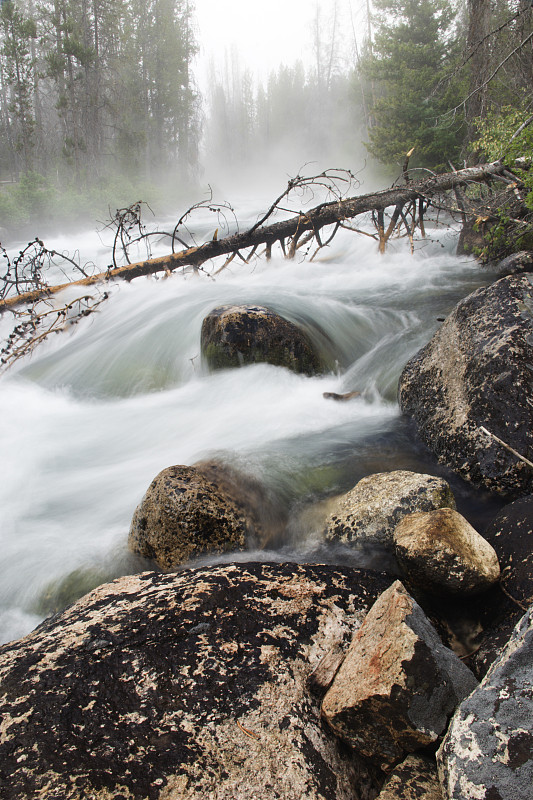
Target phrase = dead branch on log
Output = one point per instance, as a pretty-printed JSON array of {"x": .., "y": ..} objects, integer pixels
[
  {"x": 292, "y": 230},
  {"x": 24, "y": 284}
]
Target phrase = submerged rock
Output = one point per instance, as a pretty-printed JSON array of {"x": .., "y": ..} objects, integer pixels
[
  {"x": 192, "y": 511},
  {"x": 487, "y": 753},
  {"x": 440, "y": 552},
  {"x": 476, "y": 372},
  {"x": 185, "y": 685},
  {"x": 397, "y": 685},
  {"x": 369, "y": 513},
  {"x": 236, "y": 335}
]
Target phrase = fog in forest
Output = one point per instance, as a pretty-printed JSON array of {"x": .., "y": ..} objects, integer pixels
[
  {"x": 106, "y": 103},
  {"x": 165, "y": 102}
]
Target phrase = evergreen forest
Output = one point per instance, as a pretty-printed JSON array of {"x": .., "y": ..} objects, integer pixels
[{"x": 100, "y": 103}]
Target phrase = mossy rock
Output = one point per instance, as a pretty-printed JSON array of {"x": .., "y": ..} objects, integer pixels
[{"x": 233, "y": 336}]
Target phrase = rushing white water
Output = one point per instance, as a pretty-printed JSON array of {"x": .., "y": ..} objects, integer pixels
[{"x": 88, "y": 422}]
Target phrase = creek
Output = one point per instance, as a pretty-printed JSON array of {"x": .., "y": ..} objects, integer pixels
[{"x": 90, "y": 419}]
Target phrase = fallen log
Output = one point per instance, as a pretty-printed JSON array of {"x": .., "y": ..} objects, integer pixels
[{"x": 298, "y": 229}]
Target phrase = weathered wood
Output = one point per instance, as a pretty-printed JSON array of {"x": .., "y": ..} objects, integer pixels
[{"x": 294, "y": 228}]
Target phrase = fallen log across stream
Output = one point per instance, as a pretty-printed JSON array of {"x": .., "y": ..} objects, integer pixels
[{"x": 291, "y": 233}]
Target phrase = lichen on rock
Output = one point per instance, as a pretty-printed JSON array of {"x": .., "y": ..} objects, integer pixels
[
  {"x": 368, "y": 513},
  {"x": 204, "y": 509},
  {"x": 188, "y": 686},
  {"x": 398, "y": 684}
]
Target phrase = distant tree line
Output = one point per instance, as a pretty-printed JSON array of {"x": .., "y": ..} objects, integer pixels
[{"x": 93, "y": 86}]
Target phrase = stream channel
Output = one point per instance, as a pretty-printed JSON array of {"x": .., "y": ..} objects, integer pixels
[{"x": 91, "y": 418}]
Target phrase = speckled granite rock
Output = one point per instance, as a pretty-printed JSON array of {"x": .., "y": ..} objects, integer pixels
[
  {"x": 440, "y": 552},
  {"x": 236, "y": 335},
  {"x": 397, "y": 685},
  {"x": 369, "y": 513},
  {"x": 190, "y": 511},
  {"x": 185, "y": 686},
  {"x": 414, "y": 779},
  {"x": 476, "y": 371},
  {"x": 487, "y": 753}
]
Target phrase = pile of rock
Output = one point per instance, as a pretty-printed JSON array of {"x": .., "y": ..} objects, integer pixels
[
  {"x": 263, "y": 681},
  {"x": 308, "y": 682}
]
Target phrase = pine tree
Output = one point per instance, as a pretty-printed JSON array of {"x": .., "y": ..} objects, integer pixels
[
  {"x": 412, "y": 49},
  {"x": 17, "y": 74}
]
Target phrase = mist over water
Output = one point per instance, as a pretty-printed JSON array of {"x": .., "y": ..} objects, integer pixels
[{"x": 97, "y": 412}]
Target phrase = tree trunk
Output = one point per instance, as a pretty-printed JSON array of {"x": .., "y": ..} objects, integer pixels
[
  {"x": 301, "y": 227},
  {"x": 479, "y": 12}
]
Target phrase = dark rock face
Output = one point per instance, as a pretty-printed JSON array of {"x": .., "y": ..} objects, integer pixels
[
  {"x": 511, "y": 535},
  {"x": 487, "y": 753},
  {"x": 414, "y": 779},
  {"x": 477, "y": 371},
  {"x": 236, "y": 335},
  {"x": 188, "y": 685},
  {"x": 190, "y": 511},
  {"x": 397, "y": 685}
]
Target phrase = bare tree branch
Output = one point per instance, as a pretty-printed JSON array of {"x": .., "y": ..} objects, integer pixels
[{"x": 292, "y": 230}]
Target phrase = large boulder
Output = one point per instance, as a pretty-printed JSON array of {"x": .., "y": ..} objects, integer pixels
[
  {"x": 441, "y": 553},
  {"x": 368, "y": 514},
  {"x": 487, "y": 753},
  {"x": 476, "y": 372},
  {"x": 236, "y": 335},
  {"x": 398, "y": 684},
  {"x": 192, "y": 511},
  {"x": 184, "y": 686}
]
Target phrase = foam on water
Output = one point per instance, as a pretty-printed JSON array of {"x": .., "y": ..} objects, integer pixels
[{"x": 97, "y": 412}]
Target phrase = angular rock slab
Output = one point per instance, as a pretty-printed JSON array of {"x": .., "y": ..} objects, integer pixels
[
  {"x": 369, "y": 513},
  {"x": 414, "y": 779},
  {"x": 441, "y": 553},
  {"x": 398, "y": 683},
  {"x": 236, "y": 335},
  {"x": 476, "y": 371},
  {"x": 487, "y": 753},
  {"x": 185, "y": 686},
  {"x": 191, "y": 511}
]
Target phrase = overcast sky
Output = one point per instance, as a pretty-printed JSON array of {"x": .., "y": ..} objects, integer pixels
[{"x": 265, "y": 34}]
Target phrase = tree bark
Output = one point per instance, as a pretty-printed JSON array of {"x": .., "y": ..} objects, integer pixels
[{"x": 294, "y": 228}]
